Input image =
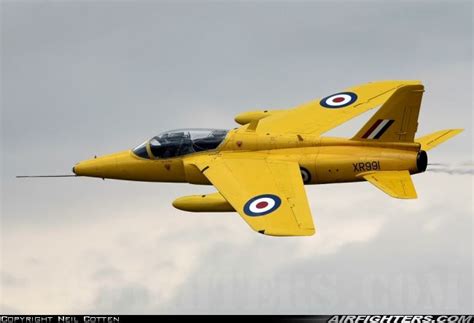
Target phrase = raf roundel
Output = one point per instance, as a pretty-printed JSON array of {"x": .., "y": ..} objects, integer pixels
[
  {"x": 338, "y": 100},
  {"x": 262, "y": 205}
]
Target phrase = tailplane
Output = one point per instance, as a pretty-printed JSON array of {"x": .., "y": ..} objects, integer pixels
[
  {"x": 397, "y": 184},
  {"x": 397, "y": 119},
  {"x": 432, "y": 140}
]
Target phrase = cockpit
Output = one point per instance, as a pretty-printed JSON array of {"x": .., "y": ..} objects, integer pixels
[{"x": 180, "y": 142}]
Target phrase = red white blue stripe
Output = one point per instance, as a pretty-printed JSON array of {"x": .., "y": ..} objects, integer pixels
[{"x": 378, "y": 129}]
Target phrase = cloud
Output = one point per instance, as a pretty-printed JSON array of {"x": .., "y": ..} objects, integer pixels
[
  {"x": 11, "y": 280},
  {"x": 127, "y": 299},
  {"x": 409, "y": 265},
  {"x": 371, "y": 254}
]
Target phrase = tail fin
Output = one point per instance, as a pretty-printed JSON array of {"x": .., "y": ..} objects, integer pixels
[
  {"x": 432, "y": 140},
  {"x": 397, "y": 119}
]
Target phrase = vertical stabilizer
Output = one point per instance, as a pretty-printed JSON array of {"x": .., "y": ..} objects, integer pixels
[{"x": 397, "y": 119}]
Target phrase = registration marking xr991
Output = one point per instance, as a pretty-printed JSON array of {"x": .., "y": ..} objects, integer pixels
[{"x": 367, "y": 166}]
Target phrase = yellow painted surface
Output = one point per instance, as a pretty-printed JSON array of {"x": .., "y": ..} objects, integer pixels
[
  {"x": 126, "y": 166},
  {"x": 239, "y": 179},
  {"x": 249, "y": 116},
  {"x": 276, "y": 152},
  {"x": 402, "y": 108},
  {"x": 432, "y": 140},
  {"x": 312, "y": 118},
  {"x": 397, "y": 184},
  {"x": 214, "y": 202}
]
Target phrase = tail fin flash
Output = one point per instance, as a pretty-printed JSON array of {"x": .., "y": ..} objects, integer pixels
[
  {"x": 432, "y": 140},
  {"x": 397, "y": 119}
]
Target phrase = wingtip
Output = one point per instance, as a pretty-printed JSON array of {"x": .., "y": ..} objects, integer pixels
[{"x": 302, "y": 232}]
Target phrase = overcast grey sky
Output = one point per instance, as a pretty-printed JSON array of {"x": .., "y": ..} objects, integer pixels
[{"x": 81, "y": 78}]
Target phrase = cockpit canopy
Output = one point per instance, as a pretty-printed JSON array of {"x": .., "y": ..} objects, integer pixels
[{"x": 180, "y": 142}]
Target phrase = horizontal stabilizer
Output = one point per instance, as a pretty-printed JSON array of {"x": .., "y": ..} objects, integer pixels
[
  {"x": 432, "y": 140},
  {"x": 397, "y": 184}
]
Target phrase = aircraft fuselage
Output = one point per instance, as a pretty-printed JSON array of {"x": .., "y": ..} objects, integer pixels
[{"x": 322, "y": 160}]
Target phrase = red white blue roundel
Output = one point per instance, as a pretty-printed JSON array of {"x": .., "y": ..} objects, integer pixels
[
  {"x": 338, "y": 100},
  {"x": 262, "y": 205}
]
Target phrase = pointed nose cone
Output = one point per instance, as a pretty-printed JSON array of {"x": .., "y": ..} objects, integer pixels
[
  {"x": 91, "y": 167},
  {"x": 104, "y": 167}
]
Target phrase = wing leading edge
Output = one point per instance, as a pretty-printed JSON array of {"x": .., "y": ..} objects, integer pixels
[{"x": 268, "y": 194}]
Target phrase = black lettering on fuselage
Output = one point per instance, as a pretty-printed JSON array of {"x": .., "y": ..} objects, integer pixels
[{"x": 365, "y": 167}]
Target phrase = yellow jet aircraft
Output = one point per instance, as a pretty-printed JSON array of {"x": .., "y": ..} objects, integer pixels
[{"x": 260, "y": 168}]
